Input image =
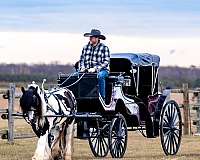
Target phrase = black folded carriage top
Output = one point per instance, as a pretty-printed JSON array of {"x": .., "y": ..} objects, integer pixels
[{"x": 139, "y": 59}]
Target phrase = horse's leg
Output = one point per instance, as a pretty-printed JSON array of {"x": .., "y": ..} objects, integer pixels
[
  {"x": 54, "y": 140},
  {"x": 56, "y": 150},
  {"x": 69, "y": 137},
  {"x": 43, "y": 152},
  {"x": 40, "y": 152}
]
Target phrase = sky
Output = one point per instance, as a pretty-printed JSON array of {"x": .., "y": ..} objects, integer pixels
[{"x": 35, "y": 31}]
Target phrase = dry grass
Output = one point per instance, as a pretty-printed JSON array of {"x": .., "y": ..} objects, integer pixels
[{"x": 138, "y": 147}]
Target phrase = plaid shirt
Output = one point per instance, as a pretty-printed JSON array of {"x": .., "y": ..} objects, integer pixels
[{"x": 97, "y": 57}]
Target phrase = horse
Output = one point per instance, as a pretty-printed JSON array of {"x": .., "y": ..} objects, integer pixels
[{"x": 40, "y": 108}]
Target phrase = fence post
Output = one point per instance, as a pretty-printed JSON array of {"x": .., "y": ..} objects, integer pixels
[
  {"x": 186, "y": 108},
  {"x": 197, "y": 108},
  {"x": 198, "y": 113},
  {"x": 11, "y": 100}
]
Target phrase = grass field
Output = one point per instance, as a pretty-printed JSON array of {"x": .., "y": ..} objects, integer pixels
[{"x": 139, "y": 148}]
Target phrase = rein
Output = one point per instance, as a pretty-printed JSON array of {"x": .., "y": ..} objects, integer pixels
[{"x": 72, "y": 83}]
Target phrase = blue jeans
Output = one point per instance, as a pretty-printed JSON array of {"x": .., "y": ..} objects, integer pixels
[{"x": 102, "y": 82}]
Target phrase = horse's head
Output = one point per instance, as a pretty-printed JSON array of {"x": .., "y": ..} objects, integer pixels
[{"x": 32, "y": 103}]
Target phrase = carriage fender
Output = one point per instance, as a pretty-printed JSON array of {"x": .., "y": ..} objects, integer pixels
[{"x": 121, "y": 107}]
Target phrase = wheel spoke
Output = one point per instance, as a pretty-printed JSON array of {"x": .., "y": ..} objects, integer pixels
[
  {"x": 100, "y": 152},
  {"x": 96, "y": 142},
  {"x": 168, "y": 118},
  {"x": 114, "y": 133},
  {"x": 172, "y": 111},
  {"x": 170, "y": 128},
  {"x": 92, "y": 139},
  {"x": 123, "y": 141},
  {"x": 165, "y": 127},
  {"x": 176, "y": 129},
  {"x": 120, "y": 126},
  {"x": 114, "y": 141},
  {"x": 115, "y": 147},
  {"x": 122, "y": 147},
  {"x": 118, "y": 137},
  {"x": 168, "y": 112},
  {"x": 170, "y": 147},
  {"x": 101, "y": 146},
  {"x": 167, "y": 133},
  {"x": 166, "y": 140},
  {"x": 174, "y": 119},
  {"x": 175, "y": 141},
  {"x": 166, "y": 122},
  {"x": 167, "y": 145},
  {"x": 176, "y": 134},
  {"x": 177, "y": 123},
  {"x": 118, "y": 149},
  {"x": 106, "y": 143},
  {"x": 105, "y": 146}
]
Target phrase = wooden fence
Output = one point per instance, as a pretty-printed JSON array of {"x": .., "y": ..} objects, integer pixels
[
  {"x": 187, "y": 107},
  {"x": 10, "y": 115}
]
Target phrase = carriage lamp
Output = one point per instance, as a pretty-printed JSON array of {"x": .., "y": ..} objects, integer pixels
[{"x": 127, "y": 81}]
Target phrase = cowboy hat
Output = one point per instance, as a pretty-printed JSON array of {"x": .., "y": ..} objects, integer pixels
[{"x": 96, "y": 33}]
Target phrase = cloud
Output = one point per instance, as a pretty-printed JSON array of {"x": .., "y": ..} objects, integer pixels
[
  {"x": 38, "y": 47},
  {"x": 172, "y": 51}
]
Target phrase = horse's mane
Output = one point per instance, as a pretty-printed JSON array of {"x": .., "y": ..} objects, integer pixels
[
  {"x": 39, "y": 106},
  {"x": 70, "y": 101}
]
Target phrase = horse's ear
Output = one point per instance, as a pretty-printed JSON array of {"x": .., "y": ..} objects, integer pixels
[{"x": 23, "y": 90}]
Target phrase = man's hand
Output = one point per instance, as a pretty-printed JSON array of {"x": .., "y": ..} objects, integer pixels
[
  {"x": 82, "y": 70},
  {"x": 92, "y": 70}
]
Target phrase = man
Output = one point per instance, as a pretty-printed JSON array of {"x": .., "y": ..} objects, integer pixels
[{"x": 95, "y": 57}]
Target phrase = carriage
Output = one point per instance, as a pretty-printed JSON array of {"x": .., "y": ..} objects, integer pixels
[{"x": 133, "y": 103}]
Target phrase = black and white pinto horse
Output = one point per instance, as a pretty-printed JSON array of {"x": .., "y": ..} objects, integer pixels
[{"x": 53, "y": 132}]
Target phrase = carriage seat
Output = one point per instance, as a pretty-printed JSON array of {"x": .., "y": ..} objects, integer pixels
[
  {"x": 115, "y": 77},
  {"x": 112, "y": 79}
]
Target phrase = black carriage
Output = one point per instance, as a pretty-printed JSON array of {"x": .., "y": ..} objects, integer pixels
[{"x": 133, "y": 102}]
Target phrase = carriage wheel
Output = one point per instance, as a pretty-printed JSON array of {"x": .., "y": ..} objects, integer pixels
[
  {"x": 118, "y": 137},
  {"x": 171, "y": 128},
  {"x": 98, "y": 139}
]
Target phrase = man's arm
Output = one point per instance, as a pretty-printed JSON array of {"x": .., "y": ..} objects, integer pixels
[
  {"x": 81, "y": 62},
  {"x": 106, "y": 59}
]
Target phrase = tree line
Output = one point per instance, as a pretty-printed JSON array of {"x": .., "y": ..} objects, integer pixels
[
  {"x": 168, "y": 76},
  {"x": 176, "y": 76}
]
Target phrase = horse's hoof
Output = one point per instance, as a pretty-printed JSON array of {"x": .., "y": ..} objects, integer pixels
[
  {"x": 37, "y": 158},
  {"x": 34, "y": 158}
]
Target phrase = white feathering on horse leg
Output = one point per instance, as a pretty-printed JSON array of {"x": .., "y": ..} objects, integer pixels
[
  {"x": 40, "y": 150},
  {"x": 69, "y": 142}
]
